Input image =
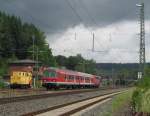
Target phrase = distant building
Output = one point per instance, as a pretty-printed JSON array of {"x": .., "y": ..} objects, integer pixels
[
  {"x": 22, "y": 65},
  {"x": 26, "y": 65}
]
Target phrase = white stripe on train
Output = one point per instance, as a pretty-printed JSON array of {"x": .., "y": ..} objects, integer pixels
[{"x": 70, "y": 83}]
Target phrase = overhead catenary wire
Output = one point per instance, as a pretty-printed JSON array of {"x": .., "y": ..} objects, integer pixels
[
  {"x": 74, "y": 10},
  {"x": 76, "y": 13},
  {"x": 91, "y": 20},
  {"x": 87, "y": 11}
]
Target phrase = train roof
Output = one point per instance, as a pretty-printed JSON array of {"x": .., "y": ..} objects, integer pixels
[
  {"x": 85, "y": 74},
  {"x": 71, "y": 72}
]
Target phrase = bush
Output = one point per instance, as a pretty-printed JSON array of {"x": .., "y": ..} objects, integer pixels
[
  {"x": 141, "y": 96},
  {"x": 136, "y": 99},
  {"x": 144, "y": 83},
  {"x": 145, "y": 102},
  {"x": 2, "y": 85}
]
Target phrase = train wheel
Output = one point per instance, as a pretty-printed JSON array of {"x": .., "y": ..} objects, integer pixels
[
  {"x": 47, "y": 88},
  {"x": 29, "y": 86},
  {"x": 56, "y": 87}
]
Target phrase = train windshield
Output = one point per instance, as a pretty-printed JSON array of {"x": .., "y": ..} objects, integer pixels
[{"x": 49, "y": 73}]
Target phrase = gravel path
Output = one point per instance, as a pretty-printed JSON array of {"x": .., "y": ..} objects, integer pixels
[
  {"x": 19, "y": 108},
  {"x": 101, "y": 110},
  {"x": 105, "y": 109}
]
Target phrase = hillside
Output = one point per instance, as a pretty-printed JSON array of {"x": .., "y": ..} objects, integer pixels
[{"x": 128, "y": 70}]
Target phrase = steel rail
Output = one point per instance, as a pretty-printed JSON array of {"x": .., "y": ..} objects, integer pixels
[{"x": 71, "y": 103}]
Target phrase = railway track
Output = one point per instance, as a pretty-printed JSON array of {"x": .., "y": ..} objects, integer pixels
[
  {"x": 74, "y": 108},
  {"x": 43, "y": 95}
]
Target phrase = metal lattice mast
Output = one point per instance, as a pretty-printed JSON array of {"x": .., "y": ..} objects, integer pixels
[{"x": 142, "y": 40}]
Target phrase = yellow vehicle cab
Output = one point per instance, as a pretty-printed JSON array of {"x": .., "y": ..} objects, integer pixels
[{"x": 21, "y": 79}]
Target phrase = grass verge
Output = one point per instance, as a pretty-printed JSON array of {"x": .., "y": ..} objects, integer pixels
[{"x": 119, "y": 101}]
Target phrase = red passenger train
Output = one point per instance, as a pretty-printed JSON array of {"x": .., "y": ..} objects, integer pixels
[{"x": 62, "y": 78}]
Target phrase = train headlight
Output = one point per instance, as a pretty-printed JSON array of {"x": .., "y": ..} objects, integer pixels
[
  {"x": 44, "y": 80},
  {"x": 53, "y": 80}
]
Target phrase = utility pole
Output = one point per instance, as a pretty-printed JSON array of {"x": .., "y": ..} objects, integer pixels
[
  {"x": 75, "y": 36},
  {"x": 142, "y": 41},
  {"x": 112, "y": 76},
  {"x": 37, "y": 66},
  {"x": 33, "y": 41},
  {"x": 93, "y": 43}
]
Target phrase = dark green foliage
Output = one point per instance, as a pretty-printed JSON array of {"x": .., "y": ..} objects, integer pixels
[
  {"x": 61, "y": 60},
  {"x": 16, "y": 40},
  {"x": 144, "y": 83},
  {"x": 16, "y": 37},
  {"x": 2, "y": 85},
  {"x": 136, "y": 99},
  {"x": 77, "y": 63},
  {"x": 73, "y": 61}
]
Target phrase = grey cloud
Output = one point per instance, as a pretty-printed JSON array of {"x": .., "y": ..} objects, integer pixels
[{"x": 56, "y": 15}]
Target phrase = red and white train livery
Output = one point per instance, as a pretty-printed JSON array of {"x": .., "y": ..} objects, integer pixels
[{"x": 62, "y": 78}]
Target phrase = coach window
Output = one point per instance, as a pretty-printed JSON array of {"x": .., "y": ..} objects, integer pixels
[
  {"x": 70, "y": 77},
  {"x": 66, "y": 78},
  {"x": 81, "y": 78},
  {"x": 87, "y": 79}
]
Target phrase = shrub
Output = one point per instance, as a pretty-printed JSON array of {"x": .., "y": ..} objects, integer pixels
[
  {"x": 141, "y": 96},
  {"x": 2, "y": 85},
  {"x": 144, "y": 83}
]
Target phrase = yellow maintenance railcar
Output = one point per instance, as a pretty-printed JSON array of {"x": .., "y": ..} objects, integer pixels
[{"x": 21, "y": 79}]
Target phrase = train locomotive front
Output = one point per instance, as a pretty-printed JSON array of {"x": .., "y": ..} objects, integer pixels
[
  {"x": 49, "y": 79},
  {"x": 21, "y": 79}
]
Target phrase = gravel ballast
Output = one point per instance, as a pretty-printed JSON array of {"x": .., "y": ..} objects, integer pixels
[{"x": 19, "y": 108}]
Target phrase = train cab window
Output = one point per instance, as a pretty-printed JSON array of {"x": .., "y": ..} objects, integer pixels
[
  {"x": 50, "y": 74},
  {"x": 46, "y": 73}
]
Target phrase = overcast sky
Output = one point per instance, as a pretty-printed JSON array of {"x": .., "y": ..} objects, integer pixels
[{"x": 69, "y": 24}]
